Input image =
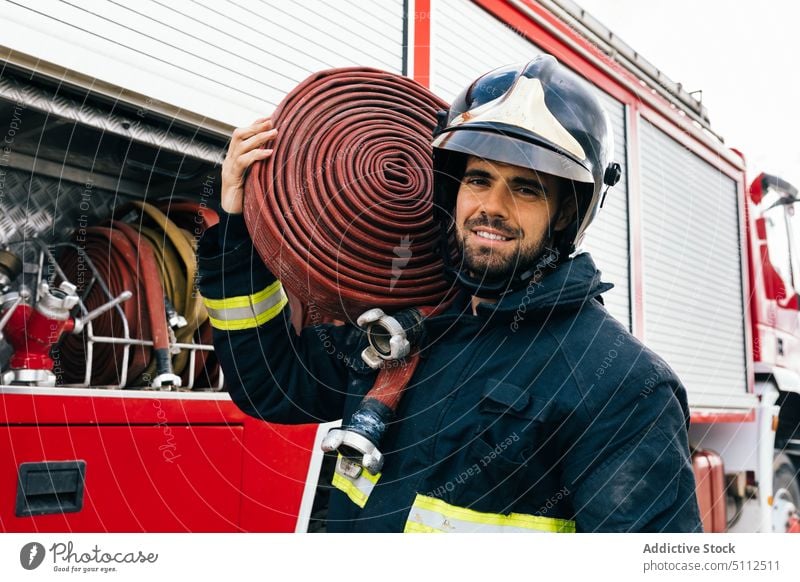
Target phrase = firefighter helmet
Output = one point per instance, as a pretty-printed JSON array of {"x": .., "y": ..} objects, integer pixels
[{"x": 538, "y": 115}]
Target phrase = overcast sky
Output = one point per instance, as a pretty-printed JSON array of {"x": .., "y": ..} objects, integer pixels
[{"x": 745, "y": 56}]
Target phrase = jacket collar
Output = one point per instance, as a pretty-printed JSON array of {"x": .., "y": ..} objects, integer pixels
[{"x": 566, "y": 287}]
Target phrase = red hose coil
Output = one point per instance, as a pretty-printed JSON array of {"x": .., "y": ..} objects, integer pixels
[
  {"x": 126, "y": 260},
  {"x": 342, "y": 211},
  {"x": 117, "y": 260}
]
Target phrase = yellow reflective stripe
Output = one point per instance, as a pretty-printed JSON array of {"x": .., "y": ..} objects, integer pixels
[
  {"x": 437, "y": 515},
  {"x": 243, "y": 300},
  {"x": 358, "y": 489},
  {"x": 249, "y": 311},
  {"x": 348, "y": 487}
]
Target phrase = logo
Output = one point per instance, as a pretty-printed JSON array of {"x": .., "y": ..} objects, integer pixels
[
  {"x": 402, "y": 254},
  {"x": 31, "y": 555}
]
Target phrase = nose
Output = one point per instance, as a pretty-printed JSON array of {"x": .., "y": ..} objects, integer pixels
[{"x": 494, "y": 202}]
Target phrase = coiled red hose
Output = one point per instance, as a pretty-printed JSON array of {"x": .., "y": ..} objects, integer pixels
[
  {"x": 342, "y": 212},
  {"x": 116, "y": 258},
  {"x": 140, "y": 257}
]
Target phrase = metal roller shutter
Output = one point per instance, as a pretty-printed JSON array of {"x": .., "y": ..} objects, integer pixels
[
  {"x": 693, "y": 311},
  {"x": 466, "y": 42},
  {"x": 230, "y": 61},
  {"x": 607, "y": 237},
  {"x": 459, "y": 54}
]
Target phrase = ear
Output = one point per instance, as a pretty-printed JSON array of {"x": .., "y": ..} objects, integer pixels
[{"x": 566, "y": 211}]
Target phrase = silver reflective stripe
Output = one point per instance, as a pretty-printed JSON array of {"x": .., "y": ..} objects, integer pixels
[
  {"x": 248, "y": 310},
  {"x": 444, "y": 524},
  {"x": 431, "y": 515},
  {"x": 254, "y": 310}
]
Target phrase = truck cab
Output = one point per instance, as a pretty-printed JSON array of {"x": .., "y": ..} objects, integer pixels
[
  {"x": 774, "y": 205},
  {"x": 776, "y": 274}
]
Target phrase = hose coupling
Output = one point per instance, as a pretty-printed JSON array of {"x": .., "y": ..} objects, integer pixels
[{"x": 390, "y": 336}]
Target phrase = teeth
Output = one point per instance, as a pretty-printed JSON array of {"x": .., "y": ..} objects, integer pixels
[{"x": 490, "y": 236}]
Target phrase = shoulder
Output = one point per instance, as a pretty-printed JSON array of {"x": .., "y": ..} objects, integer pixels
[{"x": 609, "y": 365}]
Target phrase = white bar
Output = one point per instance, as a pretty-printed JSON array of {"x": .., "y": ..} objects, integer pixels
[
  {"x": 137, "y": 342},
  {"x": 314, "y": 469},
  {"x": 417, "y": 557},
  {"x": 112, "y": 392}
]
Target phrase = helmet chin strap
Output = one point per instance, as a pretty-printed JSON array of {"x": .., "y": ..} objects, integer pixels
[
  {"x": 498, "y": 289},
  {"x": 495, "y": 289}
]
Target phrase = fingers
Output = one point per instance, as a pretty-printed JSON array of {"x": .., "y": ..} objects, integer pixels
[
  {"x": 246, "y": 147},
  {"x": 233, "y": 175},
  {"x": 243, "y": 133},
  {"x": 246, "y": 139},
  {"x": 257, "y": 140},
  {"x": 255, "y": 155},
  {"x": 243, "y": 154}
]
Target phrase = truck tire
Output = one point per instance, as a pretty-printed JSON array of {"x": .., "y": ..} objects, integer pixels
[{"x": 786, "y": 491}]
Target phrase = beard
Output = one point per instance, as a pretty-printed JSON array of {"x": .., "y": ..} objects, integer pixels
[{"x": 486, "y": 261}]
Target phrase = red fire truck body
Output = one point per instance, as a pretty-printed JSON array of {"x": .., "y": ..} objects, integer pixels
[
  {"x": 707, "y": 271},
  {"x": 153, "y": 462}
]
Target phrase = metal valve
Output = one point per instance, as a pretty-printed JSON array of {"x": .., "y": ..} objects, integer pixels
[
  {"x": 58, "y": 302},
  {"x": 174, "y": 319},
  {"x": 32, "y": 330}
]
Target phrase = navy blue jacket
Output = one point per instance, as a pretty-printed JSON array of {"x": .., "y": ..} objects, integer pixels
[{"x": 541, "y": 405}]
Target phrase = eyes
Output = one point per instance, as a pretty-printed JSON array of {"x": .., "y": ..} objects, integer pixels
[
  {"x": 475, "y": 182},
  {"x": 531, "y": 192},
  {"x": 524, "y": 190}
]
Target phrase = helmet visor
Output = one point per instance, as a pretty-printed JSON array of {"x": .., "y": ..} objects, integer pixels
[{"x": 508, "y": 150}]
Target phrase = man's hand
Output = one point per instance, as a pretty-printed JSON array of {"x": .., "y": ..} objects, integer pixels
[{"x": 245, "y": 148}]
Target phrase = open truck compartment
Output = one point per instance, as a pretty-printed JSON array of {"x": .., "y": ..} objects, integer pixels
[{"x": 120, "y": 454}]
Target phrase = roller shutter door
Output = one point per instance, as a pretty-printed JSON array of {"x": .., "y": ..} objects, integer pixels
[
  {"x": 231, "y": 61},
  {"x": 693, "y": 310}
]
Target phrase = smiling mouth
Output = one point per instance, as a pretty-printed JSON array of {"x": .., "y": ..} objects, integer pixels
[{"x": 491, "y": 236}]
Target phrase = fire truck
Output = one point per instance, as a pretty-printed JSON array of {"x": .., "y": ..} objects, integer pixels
[{"x": 121, "y": 112}]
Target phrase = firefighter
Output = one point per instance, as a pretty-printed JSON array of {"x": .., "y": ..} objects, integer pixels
[{"x": 533, "y": 409}]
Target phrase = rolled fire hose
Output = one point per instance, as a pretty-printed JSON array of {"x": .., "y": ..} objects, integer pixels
[
  {"x": 115, "y": 257},
  {"x": 177, "y": 261},
  {"x": 147, "y": 268},
  {"x": 342, "y": 211},
  {"x": 342, "y": 215},
  {"x": 194, "y": 219}
]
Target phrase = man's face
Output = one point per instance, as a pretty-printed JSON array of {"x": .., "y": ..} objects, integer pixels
[{"x": 503, "y": 213}]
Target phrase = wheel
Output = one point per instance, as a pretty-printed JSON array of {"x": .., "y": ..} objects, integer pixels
[{"x": 786, "y": 494}]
